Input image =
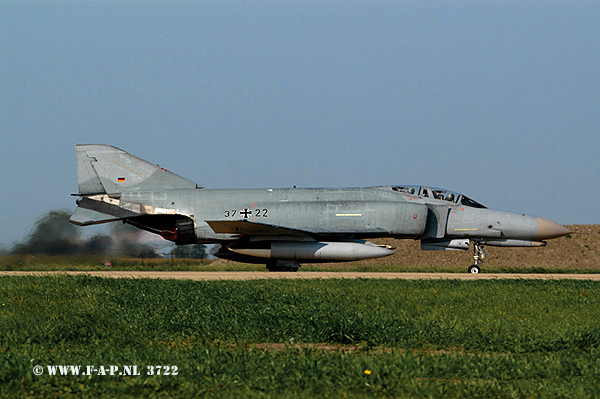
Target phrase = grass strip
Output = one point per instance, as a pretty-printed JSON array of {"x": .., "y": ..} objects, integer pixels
[{"x": 302, "y": 338}]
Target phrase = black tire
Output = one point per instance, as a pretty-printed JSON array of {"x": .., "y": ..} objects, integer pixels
[
  {"x": 273, "y": 268},
  {"x": 474, "y": 269}
]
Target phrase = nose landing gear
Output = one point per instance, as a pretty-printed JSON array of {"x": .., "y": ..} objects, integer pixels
[{"x": 478, "y": 256}]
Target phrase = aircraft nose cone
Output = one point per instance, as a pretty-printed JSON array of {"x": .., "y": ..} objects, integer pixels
[{"x": 547, "y": 229}]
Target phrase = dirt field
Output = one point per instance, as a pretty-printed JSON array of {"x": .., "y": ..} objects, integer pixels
[{"x": 578, "y": 250}]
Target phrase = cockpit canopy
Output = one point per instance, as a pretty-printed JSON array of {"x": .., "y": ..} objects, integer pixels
[{"x": 438, "y": 194}]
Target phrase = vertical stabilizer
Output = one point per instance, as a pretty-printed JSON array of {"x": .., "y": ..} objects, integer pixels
[
  {"x": 88, "y": 180},
  {"x": 107, "y": 169}
]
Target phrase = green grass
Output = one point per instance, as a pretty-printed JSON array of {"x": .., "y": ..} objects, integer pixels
[
  {"x": 416, "y": 338},
  {"x": 96, "y": 263}
]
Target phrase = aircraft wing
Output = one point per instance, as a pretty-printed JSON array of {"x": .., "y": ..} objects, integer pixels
[{"x": 245, "y": 227}]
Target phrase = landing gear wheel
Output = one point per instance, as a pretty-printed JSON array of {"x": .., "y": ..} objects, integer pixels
[
  {"x": 478, "y": 256},
  {"x": 282, "y": 266},
  {"x": 474, "y": 269}
]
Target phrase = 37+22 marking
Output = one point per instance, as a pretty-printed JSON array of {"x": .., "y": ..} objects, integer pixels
[{"x": 246, "y": 213}]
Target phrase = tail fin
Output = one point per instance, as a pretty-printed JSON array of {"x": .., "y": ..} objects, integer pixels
[{"x": 104, "y": 169}]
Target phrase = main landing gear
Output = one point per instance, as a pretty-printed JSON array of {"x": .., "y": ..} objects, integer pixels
[
  {"x": 478, "y": 255},
  {"x": 282, "y": 266},
  {"x": 273, "y": 268}
]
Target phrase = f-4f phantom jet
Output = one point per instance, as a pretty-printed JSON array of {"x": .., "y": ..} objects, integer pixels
[{"x": 283, "y": 228}]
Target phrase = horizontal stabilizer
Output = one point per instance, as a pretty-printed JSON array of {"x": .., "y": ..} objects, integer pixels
[{"x": 87, "y": 217}]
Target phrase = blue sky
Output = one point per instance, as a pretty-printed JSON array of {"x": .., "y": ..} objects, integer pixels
[{"x": 496, "y": 99}]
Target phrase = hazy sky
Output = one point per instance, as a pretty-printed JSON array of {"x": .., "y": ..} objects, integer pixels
[{"x": 496, "y": 99}]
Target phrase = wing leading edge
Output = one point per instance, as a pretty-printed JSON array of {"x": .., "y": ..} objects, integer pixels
[{"x": 248, "y": 228}]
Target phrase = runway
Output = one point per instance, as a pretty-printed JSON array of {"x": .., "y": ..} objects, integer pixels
[{"x": 305, "y": 275}]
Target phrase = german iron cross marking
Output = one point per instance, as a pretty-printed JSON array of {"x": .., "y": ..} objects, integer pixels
[{"x": 246, "y": 213}]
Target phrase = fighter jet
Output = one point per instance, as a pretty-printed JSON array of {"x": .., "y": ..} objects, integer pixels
[{"x": 283, "y": 228}]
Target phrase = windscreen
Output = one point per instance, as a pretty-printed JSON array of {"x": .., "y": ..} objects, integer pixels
[{"x": 439, "y": 194}]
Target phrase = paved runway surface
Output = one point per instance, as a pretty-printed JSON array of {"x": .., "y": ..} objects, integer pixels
[{"x": 308, "y": 275}]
